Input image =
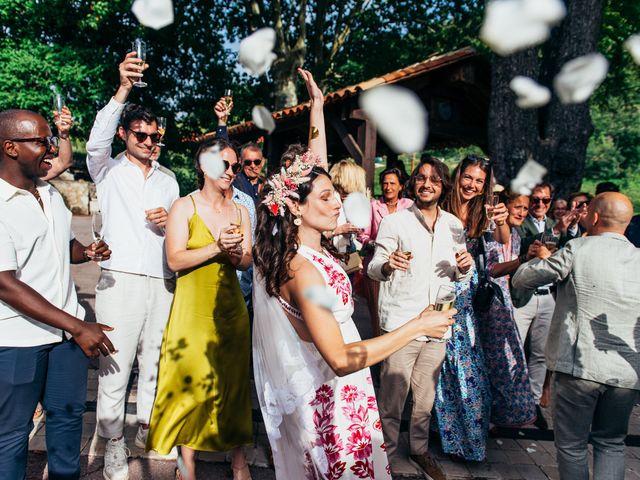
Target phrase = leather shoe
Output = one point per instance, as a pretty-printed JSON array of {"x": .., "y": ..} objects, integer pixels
[
  {"x": 429, "y": 465},
  {"x": 540, "y": 422}
]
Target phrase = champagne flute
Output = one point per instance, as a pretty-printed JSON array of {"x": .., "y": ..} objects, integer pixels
[
  {"x": 96, "y": 230},
  {"x": 228, "y": 99},
  {"x": 493, "y": 201},
  {"x": 140, "y": 47},
  {"x": 445, "y": 299},
  {"x": 550, "y": 241},
  {"x": 162, "y": 128},
  {"x": 236, "y": 219},
  {"x": 407, "y": 253},
  {"x": 58, "y": 103}
]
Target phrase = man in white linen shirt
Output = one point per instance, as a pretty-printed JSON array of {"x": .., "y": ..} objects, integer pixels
[
  {"x": 409, "y": 284},
  {"x": 44, "y": 342},
  {"x": 135, "y": 289},
  {"x": 593, "y": 339}
]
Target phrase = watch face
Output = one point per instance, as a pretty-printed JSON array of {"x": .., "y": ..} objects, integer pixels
[{"x": 445, "y": 110}]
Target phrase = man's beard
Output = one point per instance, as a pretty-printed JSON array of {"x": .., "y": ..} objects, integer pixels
[{"x": 426, "y": 204}]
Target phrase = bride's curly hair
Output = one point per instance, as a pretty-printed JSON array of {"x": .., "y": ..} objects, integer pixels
[{"x": 276, "y": 241}]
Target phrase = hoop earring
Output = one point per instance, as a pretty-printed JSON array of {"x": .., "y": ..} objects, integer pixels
[{"x": 297, "y": 221}]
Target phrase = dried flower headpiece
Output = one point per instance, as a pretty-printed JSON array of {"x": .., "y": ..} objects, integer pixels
[{"x": 284, "y": 185}]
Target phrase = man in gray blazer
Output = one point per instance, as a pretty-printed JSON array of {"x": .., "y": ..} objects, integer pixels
[{"x": 593, "y": 338}]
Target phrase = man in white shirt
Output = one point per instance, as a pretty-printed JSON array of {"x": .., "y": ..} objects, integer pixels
[
  {"x": 135, "y": 289},
  {"x": 44, "y": 343},
  {"x": 418, "y": 250}
]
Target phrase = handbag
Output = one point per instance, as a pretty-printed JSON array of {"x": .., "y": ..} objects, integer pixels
[
  {"x": 351, "y": 263},
  {"x": 486, "y": 290}
]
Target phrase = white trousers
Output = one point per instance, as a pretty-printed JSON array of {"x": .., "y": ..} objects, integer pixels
[
  {"x": 137, "y": 307},
  {"x": 533, "y": 320}
]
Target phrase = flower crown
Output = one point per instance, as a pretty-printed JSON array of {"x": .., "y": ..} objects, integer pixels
[{"x": 284, "y": 185}]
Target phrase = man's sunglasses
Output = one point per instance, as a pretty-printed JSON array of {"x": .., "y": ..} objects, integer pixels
[
  {"x": 142, "y": 137},
  {"x": 235, "y": 168},
  {"x": 255, "y": 162},
  {"x": 546, "y": 200},
  {"x": 48, "y": 142}
]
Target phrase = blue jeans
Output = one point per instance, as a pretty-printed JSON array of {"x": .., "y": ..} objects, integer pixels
[
  {"x": 57, "y": 375},
  {"x": 589, "y": 410}
]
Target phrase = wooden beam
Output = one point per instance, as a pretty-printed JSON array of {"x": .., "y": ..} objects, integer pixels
[
  {"x": 347, "y": 139},
  {"x": 367, "y": 138}
]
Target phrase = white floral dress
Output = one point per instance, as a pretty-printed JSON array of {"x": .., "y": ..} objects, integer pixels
[{"x": 320, "y": 426}]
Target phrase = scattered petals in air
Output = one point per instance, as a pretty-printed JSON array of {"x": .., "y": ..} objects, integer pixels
[
  {"x": 357, "y": 209},
  {"x": 256, "y": 51},
  {"x": 263, "y": 119},
  {"x": 632, "y": 44},
  {"x": 399, "y": 115},
  {"x": 320, "y": 295},
  {"x": 528, "y": 177},
  {"x": 512, "y": 25},
  {"x": 530, "y": 93},
  {"x": 579, "y": 77},
  {"x": 153, "y": 13},
  {"x": 211, "y": 163}
]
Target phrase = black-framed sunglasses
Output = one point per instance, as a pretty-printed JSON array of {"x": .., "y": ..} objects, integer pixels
[
  {"x": 235, "y": 168},
  {"x": 142, "y": 137},
  {"x": 254, "y": 162},
  {"x": 47, "y": 142}
]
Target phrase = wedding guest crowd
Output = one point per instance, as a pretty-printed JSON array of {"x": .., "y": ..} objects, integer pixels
[{"x": 483, "y": 305}]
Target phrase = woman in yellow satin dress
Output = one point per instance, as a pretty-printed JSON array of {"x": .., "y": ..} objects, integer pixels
[{"x": 203, "y": 400}]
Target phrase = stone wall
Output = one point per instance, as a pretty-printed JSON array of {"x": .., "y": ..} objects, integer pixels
[{"x": 79, "y": 195}]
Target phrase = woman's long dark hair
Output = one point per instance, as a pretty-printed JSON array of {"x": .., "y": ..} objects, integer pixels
[
  {"x": 277, "y": 238},
  {"x": 476, "y": 215}
]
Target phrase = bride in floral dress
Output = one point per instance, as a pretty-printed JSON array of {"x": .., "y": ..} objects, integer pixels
[{"x": 310, "y": 365}]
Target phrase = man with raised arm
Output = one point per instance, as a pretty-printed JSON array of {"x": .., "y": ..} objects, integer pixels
[
  {"x": 135, "y": 289},
  {"x": 44, "y": 342}
]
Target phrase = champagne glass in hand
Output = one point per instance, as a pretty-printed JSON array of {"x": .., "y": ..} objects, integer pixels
[
  {"x": 162, "y": 128},
  {"x": 96, "y": 229},
  {"x": 228, "y": 99},
  {"x": 550, "y": 241},
  {"x": 140, "y": 47},
  {"x": 406, "y": 252},
  {"x": 58, "y": 103},
  {"x": 445, "y": 299},
  {"x": 493, "y": 201}
]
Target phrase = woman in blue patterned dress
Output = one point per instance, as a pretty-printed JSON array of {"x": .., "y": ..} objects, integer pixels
[
  {"x": 512, "y": 401},
  {"x": 463, "y": 396}
]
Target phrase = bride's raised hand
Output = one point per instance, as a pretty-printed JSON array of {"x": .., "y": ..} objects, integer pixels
[{"x": 315, "y": 94}]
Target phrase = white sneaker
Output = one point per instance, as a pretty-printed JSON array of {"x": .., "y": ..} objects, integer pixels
[
  {"x": 141, "y": 437},
  {"x": 116, "y": 455}
]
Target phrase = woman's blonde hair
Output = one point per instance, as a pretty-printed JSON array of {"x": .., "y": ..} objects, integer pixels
[{"x": 348, "y": 177}]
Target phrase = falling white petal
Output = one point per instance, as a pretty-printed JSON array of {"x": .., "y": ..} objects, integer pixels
[
  {"x": 263, "y": 119},
  {"x": 399, "y": 115},
  {"x": 549, "y": 11},
  {"x": 632, "y": 44},
  {"x": 579, "y": 77},
  {"x": 320, "y": 295},
  {"x": 529, "y": 176},
  {"x": 512, "y": 25},
  {"x": 153, "y": 13},
  {"x": 211, "y": 163},
  {"x": 530, "y": 94},
  {"x": 256, "y": 51},
  {"x": 357, "y": 209}
]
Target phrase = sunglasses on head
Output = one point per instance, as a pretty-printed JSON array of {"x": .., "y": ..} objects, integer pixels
[
  {"x": 235, "y": 168},
  {"x": 255, "y": 162},
  {"x": 545, "y": 200},
  {"x": 142, "y": 137}
]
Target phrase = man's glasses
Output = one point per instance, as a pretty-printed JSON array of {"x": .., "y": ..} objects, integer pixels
[
  {"x": 141, "y": 137},
  {"x": 235, "y": 168},
  {"x": 255, "y": 163},
  {"x": 423, "y": 178},
  {"x": 48, "y": 142},
  {"x": 582, "y": 204},
  {"x": 545, "y": 200}
]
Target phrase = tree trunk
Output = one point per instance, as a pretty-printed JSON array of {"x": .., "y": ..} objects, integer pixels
[{"x": 557, "y": 135}]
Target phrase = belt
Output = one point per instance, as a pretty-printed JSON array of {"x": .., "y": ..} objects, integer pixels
[{"x": 544, "y": 291}]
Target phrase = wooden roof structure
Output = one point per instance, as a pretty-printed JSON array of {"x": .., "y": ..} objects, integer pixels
[{"x": 454, "y": 88}]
